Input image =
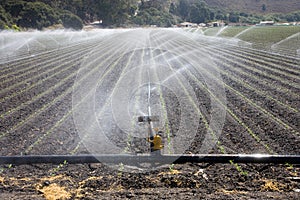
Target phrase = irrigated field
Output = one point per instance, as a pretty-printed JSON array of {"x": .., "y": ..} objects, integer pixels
[
  {"x": 211, "y": 96},
  {"x": 277, "y": 39}
]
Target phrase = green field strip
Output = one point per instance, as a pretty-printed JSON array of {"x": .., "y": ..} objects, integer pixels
[
  {"x": 269, "y": 34},
  {"x": 274, "y": 118},
  {"x": 232, "y": 31},
  {"x": 212, "y": 31},
  {"x": 251, "y": 133},
  {"x": 69, "y": 113},
  {"x": 46, "y": 106}
]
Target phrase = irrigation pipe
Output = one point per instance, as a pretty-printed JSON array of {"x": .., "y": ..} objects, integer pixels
[{"x": 162, "y": 159}]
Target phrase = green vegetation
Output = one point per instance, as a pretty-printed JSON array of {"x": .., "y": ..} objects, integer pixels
[
  {"x": 152, "y": 16},
  {"x": 280, "y": 39},
  {"x": 265, "y": 37},
  {"x": 35, "y": 15},
  {"x": 233, "y": 31},
  {"x": 212, "y": 31},
  {"x": 39, "y": 14},
  {"x": 256, "y": 6},
  {"x": 239, "y": 168},
  {"x": 55, "y": 170}
]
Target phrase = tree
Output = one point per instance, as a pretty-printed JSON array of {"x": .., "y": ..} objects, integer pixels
[
  {"x": 234, "y": 17},
  {"x": 184, "y": 9},
  {"x": 173, "y": 8},
  {"x": 70, "y": 20},
  {"x": 5, "y": 18},
  {"x": 200, "y": 13},
  {"x": 37, "y": 15},
  {"x": 153, "y": 16},
  {"x": 264, "y": 7}
]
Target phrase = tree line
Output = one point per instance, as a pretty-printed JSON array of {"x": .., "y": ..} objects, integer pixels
[{"x": 38, "y": 14}]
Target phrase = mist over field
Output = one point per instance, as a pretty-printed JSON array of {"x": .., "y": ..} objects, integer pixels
[{"x": 156, "y": 99}]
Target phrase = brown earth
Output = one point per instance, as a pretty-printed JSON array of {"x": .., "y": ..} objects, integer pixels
[
  {"x": 262, "y": 98},
  {"x": 188, "y": 181}
]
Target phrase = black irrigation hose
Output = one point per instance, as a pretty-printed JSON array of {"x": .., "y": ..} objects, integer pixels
[{"x": 164, "y": 159}]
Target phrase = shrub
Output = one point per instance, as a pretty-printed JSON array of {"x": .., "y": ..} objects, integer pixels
[
  {"x": 37, "y": 15},
  {"x": 70, "y": 20}
]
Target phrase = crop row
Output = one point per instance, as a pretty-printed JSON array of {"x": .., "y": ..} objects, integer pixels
[
  {"x": 35, "y": 115},
  {"x": 40, "y": 114},
  {"x": 224, "y": 58},
  {"x": 204, "y": 89},
  {"x": 113, "y": 60},
  {"x": 239, "y": 92}
]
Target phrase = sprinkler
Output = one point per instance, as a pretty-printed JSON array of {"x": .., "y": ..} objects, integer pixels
[{"x": 155, "y": 140}]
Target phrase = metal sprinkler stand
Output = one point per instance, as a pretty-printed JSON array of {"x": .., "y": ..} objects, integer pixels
[{"x": 154, "y": 139}]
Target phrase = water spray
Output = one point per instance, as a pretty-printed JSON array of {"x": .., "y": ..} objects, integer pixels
[{"x": 154, "y": 139}]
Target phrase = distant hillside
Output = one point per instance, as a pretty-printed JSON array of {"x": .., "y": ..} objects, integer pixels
[{"x": 256, "y": 6}]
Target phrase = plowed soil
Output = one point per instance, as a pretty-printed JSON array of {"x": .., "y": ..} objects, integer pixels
[{"x": 261, "y": 115}]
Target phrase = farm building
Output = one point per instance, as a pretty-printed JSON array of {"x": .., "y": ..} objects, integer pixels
[
  {"x": 187, "y": 25},
  {"x": 216, "y": 24},
  {"x": 266, "y": 23}
]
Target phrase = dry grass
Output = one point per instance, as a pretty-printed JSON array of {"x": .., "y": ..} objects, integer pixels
[
  {"x": 2, "y": 179},
  {"x": 272, "y": 186},
  {"x": 55, "y": 192},
  {"x": 229, "y": 192},
  {"x": 171, "y": 172}
]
